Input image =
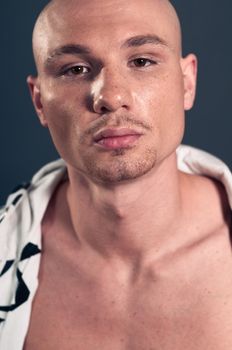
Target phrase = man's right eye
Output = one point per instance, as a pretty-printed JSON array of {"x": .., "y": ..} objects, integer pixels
[{"x": 76, "y": 70}]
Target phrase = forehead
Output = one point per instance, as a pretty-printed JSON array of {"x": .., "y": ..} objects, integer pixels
[{"x": 104, "y": 22}]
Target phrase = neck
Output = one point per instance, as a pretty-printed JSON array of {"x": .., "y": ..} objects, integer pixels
[{"x": 127, "y": 220}]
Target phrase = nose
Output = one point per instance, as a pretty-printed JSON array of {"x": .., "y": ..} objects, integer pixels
[{"x": 111, "y": 91}]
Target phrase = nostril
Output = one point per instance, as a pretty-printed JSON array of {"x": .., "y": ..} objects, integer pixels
[{"x": 104, "y": 109}]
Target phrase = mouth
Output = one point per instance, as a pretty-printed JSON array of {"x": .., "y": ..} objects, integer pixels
[{"x": 116, "y": 138}]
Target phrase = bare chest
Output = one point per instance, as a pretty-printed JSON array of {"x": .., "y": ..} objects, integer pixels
[{"x": 171, "y": 310}]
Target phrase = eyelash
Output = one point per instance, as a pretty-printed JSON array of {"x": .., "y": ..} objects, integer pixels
[
  {"x": 71, "y": 71},
  {"x": 147, "y": 60}
]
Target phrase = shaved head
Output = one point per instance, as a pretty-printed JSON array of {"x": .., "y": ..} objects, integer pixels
[{"x": 54, "y": 14}]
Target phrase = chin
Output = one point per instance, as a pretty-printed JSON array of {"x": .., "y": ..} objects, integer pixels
[{"x": 120, "y": 168}]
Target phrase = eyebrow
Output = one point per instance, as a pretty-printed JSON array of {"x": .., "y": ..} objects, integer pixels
[
  {"x": 140, "y": 40},
  {"x": 76, "y": 49},
  {"x": 72, "y": 49}
]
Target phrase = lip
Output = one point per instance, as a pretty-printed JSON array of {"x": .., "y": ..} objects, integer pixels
[
  {"x": 112, "y": 132},
  {"x": 116, "y": 138}
]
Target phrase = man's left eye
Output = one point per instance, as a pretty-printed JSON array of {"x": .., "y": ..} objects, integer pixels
[{"x": 143, "y": 62}]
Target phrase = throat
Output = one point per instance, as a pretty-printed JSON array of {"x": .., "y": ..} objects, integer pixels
[{"x": 126, "y": 221}]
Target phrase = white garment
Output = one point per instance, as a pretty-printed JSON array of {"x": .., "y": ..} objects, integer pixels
[{"x": 20, "y": 238}]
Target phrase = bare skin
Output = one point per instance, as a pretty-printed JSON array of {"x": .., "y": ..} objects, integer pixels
[
  {"x": 136, "y": 254},
  {"x": 180, "y": 298}
]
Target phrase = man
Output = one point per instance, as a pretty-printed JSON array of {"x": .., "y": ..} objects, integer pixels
[{"x": 135, "y": 230}]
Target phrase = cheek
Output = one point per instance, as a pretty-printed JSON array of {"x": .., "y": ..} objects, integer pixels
[
  {"x": 62, "y": 106},
  {"x": 162, "y": 96},
  {"x": 63, "y": 116},
  {"x": 172, "y": 116},
  {"x": 165, "y": 108}
]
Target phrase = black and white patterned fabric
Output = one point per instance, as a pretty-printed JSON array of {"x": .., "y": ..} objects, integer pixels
[
  {"x": 20, "y": 251},
  {"x": 20, "y": 238}
]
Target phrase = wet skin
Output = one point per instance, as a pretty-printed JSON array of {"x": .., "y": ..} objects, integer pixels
[{"x": 136, "y": 255}]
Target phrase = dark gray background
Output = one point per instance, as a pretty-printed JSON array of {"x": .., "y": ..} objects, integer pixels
[{"x": 25, "y": 146}]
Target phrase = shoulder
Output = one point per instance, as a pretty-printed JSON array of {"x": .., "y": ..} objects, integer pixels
[
  {"x": 209, "y": 204},
  {"x": 210, "y": 183},
  {"x": 22, "y": 214},
  {"x": 42, "y": 183},
  {"x": 20, "y": 237}
]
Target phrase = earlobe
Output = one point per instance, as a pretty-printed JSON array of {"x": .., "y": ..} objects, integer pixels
[
  {"x": 189, "y": 71},
  {"x": 34, "y": 87}
]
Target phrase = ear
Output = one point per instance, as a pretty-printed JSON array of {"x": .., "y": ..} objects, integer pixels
[
  {"x": 34, "y": 87},
  {"x": 189, "y": 71}
]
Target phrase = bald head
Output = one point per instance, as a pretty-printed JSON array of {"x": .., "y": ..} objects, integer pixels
[{"x": 58, "y": 18}]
